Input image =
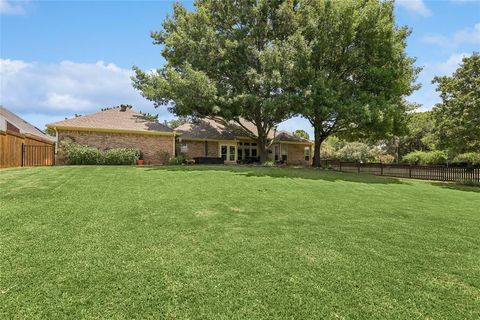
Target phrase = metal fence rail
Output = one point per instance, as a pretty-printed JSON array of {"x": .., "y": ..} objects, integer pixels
[{"x": 430, "y": 172}]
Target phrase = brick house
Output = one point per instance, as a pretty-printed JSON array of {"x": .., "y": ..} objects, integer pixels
[
  {"x": 118, "y": 128},
  {"x": 203, "y": 140},
  {"x": 208, "y": 138}
]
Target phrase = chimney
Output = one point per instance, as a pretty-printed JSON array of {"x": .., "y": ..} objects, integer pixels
[{"x": 123, "y": 108}]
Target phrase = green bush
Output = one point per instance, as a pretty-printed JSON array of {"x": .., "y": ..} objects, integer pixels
[
  {"x": 121, "y": 156},
  {"x": 422, "y": 157},
  {"x": 76, "y": 154},
  {"x": 470, "y": 158},
  {"x": 82, "y": 155},
  {"x": 180, "y": 159},
  {"x": 269, "y": 164}
]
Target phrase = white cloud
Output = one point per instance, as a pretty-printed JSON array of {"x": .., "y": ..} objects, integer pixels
[
  {"x": 464, "y": 36},
  {"x": 52, "y": 91},
  {"x": 9, "y": 8},
  {"x": 427, "y": 95},
  {"x": 417, "y": 7}
]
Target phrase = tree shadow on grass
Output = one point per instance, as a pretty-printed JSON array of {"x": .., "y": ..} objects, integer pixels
[
  {"x": 455, "y": 186},
  {"x": 286, "y": 173}
]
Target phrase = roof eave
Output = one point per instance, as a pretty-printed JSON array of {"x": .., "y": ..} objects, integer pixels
[{"x": 107, "y": 130}]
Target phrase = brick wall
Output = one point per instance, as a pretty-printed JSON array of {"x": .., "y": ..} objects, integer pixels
[
  {"x": 296, "y": 154},
  {"x": 153, "y": 147},
  {"x": 197, "y": 149}
]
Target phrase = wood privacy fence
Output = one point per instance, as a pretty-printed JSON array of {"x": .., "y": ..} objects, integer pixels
[
  {"x": 22, "y": 150},
  {"x": 431, "y": 172}
]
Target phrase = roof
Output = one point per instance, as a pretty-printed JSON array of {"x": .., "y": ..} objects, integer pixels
[
  {"x": 284, "y": 136},
  {"x": 24, "y": 126},
  {"x": 114, "y": 120},
  {"x": 208, "y": 129}
]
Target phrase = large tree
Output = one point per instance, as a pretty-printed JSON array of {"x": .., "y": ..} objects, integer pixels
[
  {"x": 351, "y": 70},
  {"x": 457, "y": 117},
  {"x": 223, "y": 61}
]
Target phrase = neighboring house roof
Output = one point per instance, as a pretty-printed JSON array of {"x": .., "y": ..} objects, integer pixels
[
  {"x": 114, "y": 120},
  {"x": 208, "y": 129},
  {"x": 22, "y": 126}
]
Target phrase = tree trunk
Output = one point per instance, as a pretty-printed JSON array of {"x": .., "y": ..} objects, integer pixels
[
  {"x": 316, "y": 148},
  {"x": 262, "y": 149}
]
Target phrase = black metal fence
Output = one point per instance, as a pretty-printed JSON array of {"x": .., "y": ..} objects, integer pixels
[
  {"x": 427, "y": 172},
  {"x": 38, "y": 155}
]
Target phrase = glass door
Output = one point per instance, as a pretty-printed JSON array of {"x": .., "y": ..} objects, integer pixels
[{"x": 228, "y": 152}]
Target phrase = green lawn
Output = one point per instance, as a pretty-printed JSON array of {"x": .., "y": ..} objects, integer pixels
[{"x": 235, "y": 243}]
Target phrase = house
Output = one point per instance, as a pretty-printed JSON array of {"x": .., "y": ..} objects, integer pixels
[
  {"x": 209, "y": 138},
  {"x": 205, "y": 139},
  {"x": 21, "y": 143},
  {"x": 118, "y": 128}
]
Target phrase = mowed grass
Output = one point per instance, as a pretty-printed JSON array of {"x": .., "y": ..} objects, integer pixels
[{"x": 235, "y": 243}]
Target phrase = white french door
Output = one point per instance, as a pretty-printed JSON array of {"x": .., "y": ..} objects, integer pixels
[{"x": 228, "y": 152}]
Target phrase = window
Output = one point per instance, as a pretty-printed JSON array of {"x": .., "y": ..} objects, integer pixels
[
  {"x": 275, "y": 152},
  {"x": 254, "y": 144},
  {"x": 224, "y": 152},
  {"x": 246, "y": 144},
  {"x": 183, "y": 148},
  {"x": 247, "y": 152},
  {"x": 239, "y": 153},
  {"x": 254, "y": 152},
  {"x": 307, "y": 153},
  {"x": 232, "y": 153}
]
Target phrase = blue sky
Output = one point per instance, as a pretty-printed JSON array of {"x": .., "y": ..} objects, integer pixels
[{"x": 59, "y": 58}]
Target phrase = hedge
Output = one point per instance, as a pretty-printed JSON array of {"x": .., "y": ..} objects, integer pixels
[
  {"x": 76, "y": 154},
  {"x": 422, "y": 157}
]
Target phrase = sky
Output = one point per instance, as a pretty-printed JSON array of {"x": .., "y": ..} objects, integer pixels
[{"x": 61, "y": 58}]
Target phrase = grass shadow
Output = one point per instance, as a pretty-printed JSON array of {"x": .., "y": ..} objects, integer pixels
[
  {"x": 286, "y": 172},
  {"x": 456, "y": 186}
]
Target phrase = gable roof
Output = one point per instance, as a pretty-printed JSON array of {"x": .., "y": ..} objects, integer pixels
[
  {"x": 23, "y": 126},
  {"x": 114, "y": 120},
  {"x": 208, "y": 129}
]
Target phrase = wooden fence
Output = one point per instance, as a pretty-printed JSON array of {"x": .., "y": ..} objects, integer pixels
[
  {"x": 18, "y": 150},
  {"x": 431, "y": 172}
]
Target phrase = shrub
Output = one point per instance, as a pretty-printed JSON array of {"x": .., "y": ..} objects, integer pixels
[
  {"x": 76, "y": 154},
  {"x": 385, "y": 158},
  {"x": 164, "y": 157},
  {"x": 422, "y": 157},
  {"x": 121, "y": 156},
  {"x": 356, "y": 151},
  {"x": 180, "y": 159},
  {"x": 470, "y": 158},
  {"x": 269, "y": 164},
  {"x": 82, "y": 155}
]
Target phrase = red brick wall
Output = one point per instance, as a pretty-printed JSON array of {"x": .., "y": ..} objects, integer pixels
[
  {"x": 153, "y": 147},
  {"x": 197, "y": 148}
]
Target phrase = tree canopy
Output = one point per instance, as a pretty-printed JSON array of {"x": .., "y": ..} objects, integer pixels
[
  {"x": 351, "y": 71},
  {"x": 223, "y": 61},
  {"x": 457, "y": 117}
]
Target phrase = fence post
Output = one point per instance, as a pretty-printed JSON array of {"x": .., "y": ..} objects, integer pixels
[
  {"x": 410, "y": 171},
  {"x": 358, "y": 166},
  {"x": 53, "y": 155},
  {"x": 381, "y": 168},
  {"x": 23, "y": 154},
  {"x": 340, "y": 165}
]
